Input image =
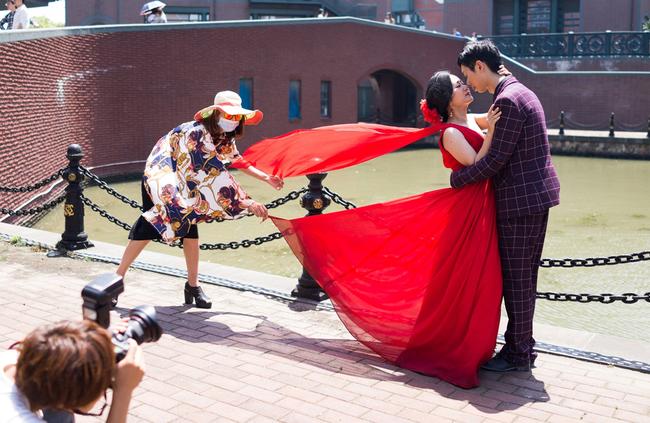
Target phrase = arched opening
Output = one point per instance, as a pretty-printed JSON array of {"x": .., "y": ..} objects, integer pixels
[{"x": 387, "y": 97}]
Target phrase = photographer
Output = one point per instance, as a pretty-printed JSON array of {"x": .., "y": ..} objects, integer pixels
[{"x": 67, "y": 367}]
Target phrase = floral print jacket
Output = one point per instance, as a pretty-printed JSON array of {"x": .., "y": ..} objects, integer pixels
[{"x": 188, "y": 182}]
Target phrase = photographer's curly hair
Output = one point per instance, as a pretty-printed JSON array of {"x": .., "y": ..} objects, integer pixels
[
  {"x": 439, "y": 93},
  {"x": 65, "y": 365}
]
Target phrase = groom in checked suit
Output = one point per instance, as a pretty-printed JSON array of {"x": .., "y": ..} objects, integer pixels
[{"x": 526, "y": 186}]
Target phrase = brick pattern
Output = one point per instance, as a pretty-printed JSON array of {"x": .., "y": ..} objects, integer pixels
[{"x": 253, "y": 359}]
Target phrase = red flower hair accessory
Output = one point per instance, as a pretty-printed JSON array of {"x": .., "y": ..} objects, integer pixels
[{"x": 430, "y": 115}]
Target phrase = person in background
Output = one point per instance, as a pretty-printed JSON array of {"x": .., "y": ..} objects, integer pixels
[
  {"x": 8, "y": 20},
  {"x": 389, "y": 19},
  {"x": 456, "y": 32},
  {"x": 157, "y": 16},
  {"x": 21, "y": 16},
  {"x": 322, "y": 13}
]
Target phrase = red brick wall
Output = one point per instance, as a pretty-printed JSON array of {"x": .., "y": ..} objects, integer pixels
[
  {"x": 468, "y": 16},
  {"x": 116, "y": 92}
]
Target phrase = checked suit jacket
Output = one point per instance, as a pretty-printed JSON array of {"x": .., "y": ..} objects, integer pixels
[{"x": 519, "y": 159}]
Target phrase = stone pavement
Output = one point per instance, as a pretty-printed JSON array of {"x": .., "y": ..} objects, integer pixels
[{"x": 257, "y": 359}]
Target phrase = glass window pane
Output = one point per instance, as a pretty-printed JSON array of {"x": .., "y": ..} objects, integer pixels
[
  {"x": 294, "y": 100},
  {"x": 246, "y": 92},
  {"x": 539, "y": 16},
  {"x": 325, "y": 98}
]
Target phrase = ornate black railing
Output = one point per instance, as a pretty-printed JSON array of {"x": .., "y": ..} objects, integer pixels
[{"x": 584, "y": 44}]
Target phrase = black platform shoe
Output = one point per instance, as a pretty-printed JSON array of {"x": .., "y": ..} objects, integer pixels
[{"x": 195, "y": 293}]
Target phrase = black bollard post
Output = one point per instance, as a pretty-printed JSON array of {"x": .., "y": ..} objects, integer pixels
[
  {"x": 562, "y": 122},
  {"x": 314, "y": 202},
  {"x": 74, "y": 237},
  {"x": 611, "y": 125}
]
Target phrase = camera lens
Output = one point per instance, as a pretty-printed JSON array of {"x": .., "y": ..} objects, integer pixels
[{"x": 143, "y": 326}]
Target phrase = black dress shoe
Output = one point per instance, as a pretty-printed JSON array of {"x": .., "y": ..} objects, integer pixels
[
  {"x": 196, "y": 294},
  {"x": 500, "y": 364}
]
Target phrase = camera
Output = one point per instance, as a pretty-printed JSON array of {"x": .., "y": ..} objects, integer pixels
[{"x": 98, "y": 298}]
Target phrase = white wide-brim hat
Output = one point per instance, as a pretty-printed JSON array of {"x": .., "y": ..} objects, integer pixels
[
  {"x": 229, "y": 102},
  {"x": 148, "y": 7}
]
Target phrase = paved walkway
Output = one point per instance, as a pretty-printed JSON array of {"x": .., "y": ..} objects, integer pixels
[{"x": 258, "y": 359}]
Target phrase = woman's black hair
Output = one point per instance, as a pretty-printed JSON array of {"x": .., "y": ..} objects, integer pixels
[{"x": 439, "y": 92}]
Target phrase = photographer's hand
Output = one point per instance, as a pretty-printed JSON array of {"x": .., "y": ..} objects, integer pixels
[{"x": 127, "y": 377}]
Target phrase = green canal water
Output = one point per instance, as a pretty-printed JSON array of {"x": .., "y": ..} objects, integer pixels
[{"x": 604, "y": 210}]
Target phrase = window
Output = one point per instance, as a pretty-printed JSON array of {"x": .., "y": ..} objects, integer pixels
[
  {"x": 325, "y": 99},
  {"x": 187, "y": 14},
  {"x": 504, "y": 17},
  {"x": 246, "y": 92},
  {"x": 294, "y": 100},
  {"x": 538, "y": 17}
]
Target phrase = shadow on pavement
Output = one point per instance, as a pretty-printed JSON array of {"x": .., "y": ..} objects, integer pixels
[{"x": 498, "y": 392}]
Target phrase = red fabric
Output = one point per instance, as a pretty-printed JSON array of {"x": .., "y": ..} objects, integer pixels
[
  {"x": 417, "y": 280},
  {"x": 328, "y": 148}
]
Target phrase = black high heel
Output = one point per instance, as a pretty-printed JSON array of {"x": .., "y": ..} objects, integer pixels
[{"x": 196, "y": 294}]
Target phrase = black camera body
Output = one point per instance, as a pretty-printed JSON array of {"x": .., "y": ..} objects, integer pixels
[{"x": 98, "y": 297}]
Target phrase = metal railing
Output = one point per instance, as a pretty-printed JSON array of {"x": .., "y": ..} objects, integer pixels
[{"x": 570, "y": 45}]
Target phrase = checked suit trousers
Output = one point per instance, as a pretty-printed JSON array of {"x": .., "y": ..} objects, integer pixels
[{"x": 521, "y": 240}]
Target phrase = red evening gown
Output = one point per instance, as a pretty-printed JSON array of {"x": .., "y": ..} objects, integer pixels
[{"x": 418, "y": 279}]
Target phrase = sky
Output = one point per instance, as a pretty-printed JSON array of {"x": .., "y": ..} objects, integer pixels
[{"x": 55, "y": 11}]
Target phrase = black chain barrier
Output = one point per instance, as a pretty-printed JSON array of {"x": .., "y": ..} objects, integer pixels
[
  {"x": 218, "y": 246},
  {"x": 627, "y": 298},
  {"x": 103, "y": 185},
  {"x": 35, "y": 210},
  {"x": 338, "y": 199},
  {"x": 35, "y": 186},
  {"x": 597, "y": 261}
]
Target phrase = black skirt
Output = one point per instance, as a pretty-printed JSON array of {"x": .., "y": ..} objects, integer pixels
[{"x": 142, "y": 230}]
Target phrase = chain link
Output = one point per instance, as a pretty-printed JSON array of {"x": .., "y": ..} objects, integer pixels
[
  {"x": 220, "y": 246},
  {"x": 293, "y": 195},
  {"x": 34, "y": 187},
  {"x": 103, "y": 213},
  {"x": 245, "y": 243},
  {"x": 597, "y": 261},
  {"x": 103, "y": 185},
  {"x": 627, "y": 298},
  {"x": 34, "y": 210},
  {"x": 338, "y": 199}
]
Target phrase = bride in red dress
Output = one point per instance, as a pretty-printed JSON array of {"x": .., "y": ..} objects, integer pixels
[{"x": 418, "y": 279}]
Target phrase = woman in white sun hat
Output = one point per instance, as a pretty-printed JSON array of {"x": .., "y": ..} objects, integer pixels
[
  {"x": 186, "y": 182},
  {"x": 153, "y": 12}
]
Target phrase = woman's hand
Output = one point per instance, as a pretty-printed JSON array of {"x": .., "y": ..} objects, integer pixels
[
  {"x": 503, "y": 71},
  {"x": 493, "y": 116},
  {"x": 275, "y": 181},
  {"x": 259, "y": 210},
  {"x": 130, "y": 369}
]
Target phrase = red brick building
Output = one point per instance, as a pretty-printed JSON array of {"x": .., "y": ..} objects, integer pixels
[
  {"x": 486, "y": 17},
  {"x": 116, "y": 90}
]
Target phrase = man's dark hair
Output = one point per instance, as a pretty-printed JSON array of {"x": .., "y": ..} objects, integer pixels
[{"x": 483, "y": 50}]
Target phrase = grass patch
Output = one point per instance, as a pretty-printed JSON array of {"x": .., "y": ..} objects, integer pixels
[{"x": 17, "y": 241}]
